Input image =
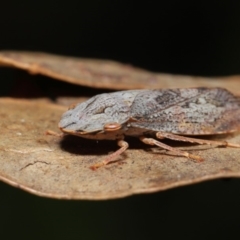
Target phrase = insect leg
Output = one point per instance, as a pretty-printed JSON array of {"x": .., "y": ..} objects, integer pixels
[
  {"x": 123, "y": 146},
  {"x": 152, "y": 141},
  {"x": 161, "y": 135},
  {"x": 50, "y": 132}
]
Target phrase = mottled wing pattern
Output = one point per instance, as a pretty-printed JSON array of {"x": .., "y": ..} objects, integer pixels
[{"x": 194, "y": 111}]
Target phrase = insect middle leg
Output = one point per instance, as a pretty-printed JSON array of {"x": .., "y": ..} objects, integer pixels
[
  {"x": 123, "y": 146},
  {"x": 152, "y": 141}
]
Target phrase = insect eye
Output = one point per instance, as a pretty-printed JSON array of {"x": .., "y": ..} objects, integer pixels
[{"x": 108, "y": 127}]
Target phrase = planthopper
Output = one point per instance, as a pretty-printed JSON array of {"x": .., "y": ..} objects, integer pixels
[{"x": 152, "y": 115}]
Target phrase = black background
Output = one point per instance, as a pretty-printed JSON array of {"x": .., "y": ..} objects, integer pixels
[{"x": 183, "y": 37}]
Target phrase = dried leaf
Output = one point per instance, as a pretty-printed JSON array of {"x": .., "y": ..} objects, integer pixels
[
  {"x": 106, "y": 74},
  {"x": 59, "y": 168},
  {"x": 67, "y": 101}
]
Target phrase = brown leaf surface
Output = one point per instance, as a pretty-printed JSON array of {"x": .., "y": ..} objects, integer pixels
[
  {"x": 59, "y": 168},
  {"x": 106, "y": 74}
]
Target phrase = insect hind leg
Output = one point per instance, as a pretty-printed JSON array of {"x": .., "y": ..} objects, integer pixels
[{"x": 175, "y": 137}]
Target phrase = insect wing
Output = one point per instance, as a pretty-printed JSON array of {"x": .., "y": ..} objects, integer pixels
[{"x": 193, "y": 111}]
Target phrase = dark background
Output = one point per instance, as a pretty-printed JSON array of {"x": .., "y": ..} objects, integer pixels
[{"x": 183, "y": 37}]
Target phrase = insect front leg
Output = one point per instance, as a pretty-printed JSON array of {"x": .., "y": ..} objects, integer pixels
[
  {"x": 152, "y": 141},
  {"x": 123, "y": 146},
  {"x": 50, "y": 132}
]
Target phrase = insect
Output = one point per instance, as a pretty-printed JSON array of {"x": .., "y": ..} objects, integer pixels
[{"x": 155, "y": 114}]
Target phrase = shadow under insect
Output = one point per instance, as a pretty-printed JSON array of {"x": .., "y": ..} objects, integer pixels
[{"x": 77, "y": 145}]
